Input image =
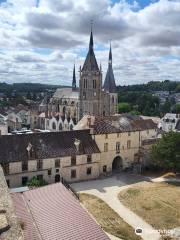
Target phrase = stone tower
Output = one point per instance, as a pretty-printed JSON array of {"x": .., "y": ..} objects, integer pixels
[
  {"x": 110, "y": 86},
  {"x": 90, "y": 84}
]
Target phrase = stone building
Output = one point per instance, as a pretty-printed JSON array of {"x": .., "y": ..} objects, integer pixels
[
  {"x": 3, "y": 125},
  {"x": 102, "y": 146},
  {"x": 92, "y": 97}
]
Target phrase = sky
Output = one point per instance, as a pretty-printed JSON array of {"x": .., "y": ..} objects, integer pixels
[{"x": 40, "y": 40}]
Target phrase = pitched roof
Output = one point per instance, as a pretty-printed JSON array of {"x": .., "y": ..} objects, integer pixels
[
  {"x": 46, "y": 145},
  {"x": 109, "y": 83},
  {"x": 90, "y": 63},
  {"x": 121, "y": 123},
  {"x": 56, "y": 214}
]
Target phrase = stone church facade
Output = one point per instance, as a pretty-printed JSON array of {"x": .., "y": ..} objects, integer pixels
[{"x": 69, "y": 105}]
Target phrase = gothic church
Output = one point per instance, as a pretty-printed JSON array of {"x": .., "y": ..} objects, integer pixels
[{"x": 69, "y": 105}]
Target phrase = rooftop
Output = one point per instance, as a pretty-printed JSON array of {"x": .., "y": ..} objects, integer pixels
[
  {"x": 51, "y": 212},
  {"x": 45, "y": 145}
]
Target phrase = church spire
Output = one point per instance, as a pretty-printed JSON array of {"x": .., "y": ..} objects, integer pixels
[
  {"x": 109, "y": 83},
  {"x": 74, "y": 79},
  {"x": 110, "y": 55},
  {"x": 91, "y": 43},
  {"x": 90, "y": 63}
]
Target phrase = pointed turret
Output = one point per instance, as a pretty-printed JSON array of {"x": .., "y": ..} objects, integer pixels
[
  {"x": 74, "y": 79},
  {"x": 109, "y": 83},
  {"x": 90, "y": 63}
]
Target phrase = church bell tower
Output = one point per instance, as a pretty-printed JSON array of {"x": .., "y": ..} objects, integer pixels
[{"x": 90, "y": 84}]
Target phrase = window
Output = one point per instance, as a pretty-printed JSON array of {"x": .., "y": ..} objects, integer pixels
[
  {"x": 89, "y": 171},
  {"x": 39, "y": 164},
  {"x": 57, "y": 163},
  {"x": 73, "y": 160},
  {"x": 24, "y": 165},
  {"x": 84, "y": 95},
  {"x": 85, "y": 83},
  {"x": 54, "y": 126},
  {"x": 118, "y": 135},
  {"x": 5, "y": 167},
  {"x": 106, "y": 136},
  {"x": 49, "y": 172},
  {"x": 106, "y": 147},
  {"x": 89, "y": 158},
  {"x": 104, "y": 168},
  {"x": 40, "y": 177},
  {"x": 94, "y": 84},
  {"x": 60, "y": 127},
  {"x": 118, "y": 147},
  {"x": 24, "y": 181},
  {"x": 57, "y": 170},
  {"x": 129, "y": 134},
  {"x": 129, "y": 144},
  {"x": 8, "y": 182},
  {"x": 73, "y": 173}
]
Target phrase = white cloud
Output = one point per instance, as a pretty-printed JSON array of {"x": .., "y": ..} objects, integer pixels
[{"x": 145, "y": 42}]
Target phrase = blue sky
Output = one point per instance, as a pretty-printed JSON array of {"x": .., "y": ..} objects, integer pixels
[{"x": 40, "y": 44}]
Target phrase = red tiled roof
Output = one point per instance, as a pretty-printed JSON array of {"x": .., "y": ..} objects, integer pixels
[{"x": 56, "y": 214}]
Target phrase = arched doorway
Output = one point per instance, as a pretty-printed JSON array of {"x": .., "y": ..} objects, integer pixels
[
  {"x": 57, "y": 178},
  {"x": 117, "y": 164}
]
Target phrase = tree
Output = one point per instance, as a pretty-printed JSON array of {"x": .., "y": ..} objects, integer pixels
[
  {"x": 177, "y": 108},
  {"x": 166, "y": 153},
  {"x": 124, "y": 107},
  {"x": 35, "y": 182}
]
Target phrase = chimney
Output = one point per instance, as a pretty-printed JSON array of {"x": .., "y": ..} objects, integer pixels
[{"x": 77, "y": 144}]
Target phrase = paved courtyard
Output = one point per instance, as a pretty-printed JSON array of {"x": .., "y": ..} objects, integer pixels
[{"x": 107, "y": 189}]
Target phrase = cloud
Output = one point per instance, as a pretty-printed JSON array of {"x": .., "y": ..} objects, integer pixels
[{"x": 145, "y": 42}]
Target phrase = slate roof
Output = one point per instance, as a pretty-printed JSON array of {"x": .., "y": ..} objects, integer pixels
[
  {"x": 46, "y": 145},
  {"x": 121, "y": 123},
  {"x": 56, "y": 214},
  {"x": 109, "y": 83},
  {"x": 66, "y": 93},
  {"x": 90, "y": 63}
]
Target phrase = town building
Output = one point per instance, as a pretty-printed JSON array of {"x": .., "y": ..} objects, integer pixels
[
  {"x": 3, "y": 125},
  {"x": 52, "y": 212},
  {"x": 68, "y": 105},
  {"x": 102, "y": 145},
  {"x": 170, "y": 122}
]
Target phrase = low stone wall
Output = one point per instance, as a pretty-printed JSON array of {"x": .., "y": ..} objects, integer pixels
[{"x": 11, "y": 228}]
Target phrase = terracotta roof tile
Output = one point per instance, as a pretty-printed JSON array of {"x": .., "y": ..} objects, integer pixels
[{"x": 58, "y": 215}]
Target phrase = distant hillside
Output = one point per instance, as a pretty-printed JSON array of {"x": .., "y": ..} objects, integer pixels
[
  {"x": 27, "y": 87},
  {"x": 152, "y": 86}
]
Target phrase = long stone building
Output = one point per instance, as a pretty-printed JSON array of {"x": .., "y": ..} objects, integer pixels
[
  {"x": 101, "y": 146},
  {"x": 69, "y": 105}
]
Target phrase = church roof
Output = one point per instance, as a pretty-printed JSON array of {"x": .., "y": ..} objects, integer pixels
[
  {"x": 90, "y": 63},
  {"x": 68, "y": 93},
  {"x": 109, "y": 83}
]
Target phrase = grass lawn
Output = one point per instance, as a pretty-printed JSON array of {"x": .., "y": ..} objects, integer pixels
[
  {"x": 157, "y": 203},
  {"x": 108, "y": 218}
]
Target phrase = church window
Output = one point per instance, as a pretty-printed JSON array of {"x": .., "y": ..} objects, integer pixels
[
  {"x": 71, "y": 127},
  {"x": 112, "y": 99},
  {"x": 94, "y": 84},
  {"x": 54, "y": 126},
  {"x": 84, "y": 95},
  {"x": 64, "y": 110},
  {"x": 85, "y": 83},
  {"x": 60, "y": 127},
  {"x": 106, "y": 136}
]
